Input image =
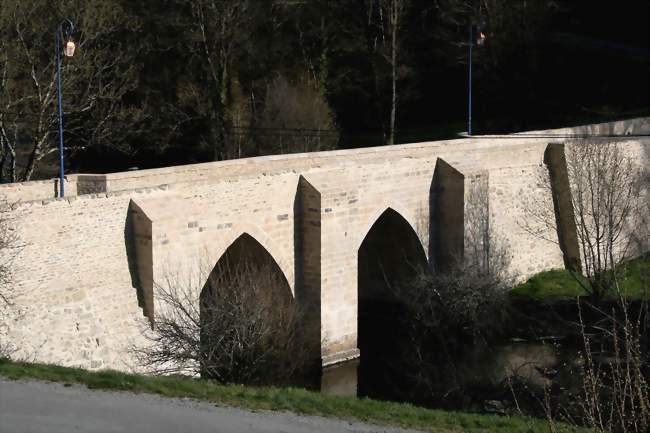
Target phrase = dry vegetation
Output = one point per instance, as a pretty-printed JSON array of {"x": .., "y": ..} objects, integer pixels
[
  {"x": 242, "y": 326},
  {"x": 608, "y": 191}
]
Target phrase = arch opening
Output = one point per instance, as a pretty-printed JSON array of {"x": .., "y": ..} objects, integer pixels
[
  {"x": 249, "y": 326},
  {"x": 390, "y": 255}
]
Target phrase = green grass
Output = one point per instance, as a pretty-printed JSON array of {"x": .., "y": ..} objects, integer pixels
[
  {"x": 285, "y": 399},
  {"x": 555, "y": 284},
  {"x": 558, "y": 284}
]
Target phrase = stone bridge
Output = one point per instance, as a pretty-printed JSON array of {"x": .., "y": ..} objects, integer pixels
[{"x": 87, "y": 267}]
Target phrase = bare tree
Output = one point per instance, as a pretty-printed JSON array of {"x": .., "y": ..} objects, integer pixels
[
  {"x": 375, "y": 43},
  {"x": 93, "y": 84},
  {"x": 240, "y": 327},
  {"x": 220, "y": 25},
  {"x": 604, "y": 210},
  {"x": 394, "y": 11},
  {"x": 605, "y": 187},
  {"x": 385, "y": 19}
]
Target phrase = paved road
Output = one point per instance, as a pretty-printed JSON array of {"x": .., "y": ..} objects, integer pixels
[{"x": 42, "y": 407}]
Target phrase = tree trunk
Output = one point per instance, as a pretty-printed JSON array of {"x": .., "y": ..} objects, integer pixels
[
  {"x": 395, "y": 9},
  {"x": 372, "y": 36},
  {"x": 31, "y": 163},
  {"x": 393, "y": 107}
]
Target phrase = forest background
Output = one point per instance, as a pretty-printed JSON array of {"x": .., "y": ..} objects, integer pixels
[{"x": 156, "y": 83}]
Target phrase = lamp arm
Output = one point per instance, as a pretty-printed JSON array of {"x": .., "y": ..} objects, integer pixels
[{"x": 70, "y": 28}]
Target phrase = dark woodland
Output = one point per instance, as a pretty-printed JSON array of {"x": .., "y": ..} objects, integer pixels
[{"x": 157, "y": 83}]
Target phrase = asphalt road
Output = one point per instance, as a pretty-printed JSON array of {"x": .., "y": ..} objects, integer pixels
[{"x": 43, "y": 407}]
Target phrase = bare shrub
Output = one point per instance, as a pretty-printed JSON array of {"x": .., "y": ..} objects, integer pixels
[
  {"x": 613, "y": 370},
  {"x": 615, "y": 389},
  {"x": 449, "y": 313},
  {"x": 241, "y": 327},
  {"x": 470, "y": 297},
  {"x": 447, "y": 316}
]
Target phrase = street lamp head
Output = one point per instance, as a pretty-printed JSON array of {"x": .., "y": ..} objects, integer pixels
[
  {"x": 69, "y": 48},
  {"x": 481, "y": 39}
]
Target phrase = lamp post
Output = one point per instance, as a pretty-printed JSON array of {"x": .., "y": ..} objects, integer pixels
[
  {"x": 63, "y": 33},
  {"x": 480, "y": 40}
]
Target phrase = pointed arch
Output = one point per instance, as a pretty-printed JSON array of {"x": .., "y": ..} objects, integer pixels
[
  {"x": 404, "y": 213},
  {"x": 247, "y": 251},
  {"x": 390, "y": 250},
  {"x": 389, "y": 257},
  {"x": 246, "y": 290},
  {"x": 215, "y": 247}
]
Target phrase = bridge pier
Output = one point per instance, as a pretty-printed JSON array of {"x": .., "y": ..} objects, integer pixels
[{"x": 307, "y": 262}]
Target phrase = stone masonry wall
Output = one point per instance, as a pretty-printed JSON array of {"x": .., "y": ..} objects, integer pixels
[
  {"x": 76, "y": 304},
  {"x": 88, "y": 265}
]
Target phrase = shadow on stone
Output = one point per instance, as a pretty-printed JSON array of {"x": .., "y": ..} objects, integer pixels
[{"x": 446, "y": 216}]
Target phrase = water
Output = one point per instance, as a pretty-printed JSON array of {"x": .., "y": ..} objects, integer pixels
[{"x": 534, "y": 365}]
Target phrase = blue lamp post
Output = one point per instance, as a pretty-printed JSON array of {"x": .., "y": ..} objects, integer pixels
[
  {"x": 480, "y": 40},
  {"x": 63, "y": 33}
]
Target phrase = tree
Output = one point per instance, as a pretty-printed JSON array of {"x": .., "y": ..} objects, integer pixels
[
  {"x": 601, "y": 208},
  {"x": 604, "y": 190},
  {"x": 220, "y": 28},
  {"x": 295, "y": 118},
  {"x": 395, "y": 10},
  {"x": 94, "y": 83},
  {"x": 385, "y": 20}
]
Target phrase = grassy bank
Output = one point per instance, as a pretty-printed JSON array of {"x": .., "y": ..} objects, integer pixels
[
  {"x": 285, "y": 399},
  {"x": 559, "y": 284}
]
